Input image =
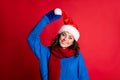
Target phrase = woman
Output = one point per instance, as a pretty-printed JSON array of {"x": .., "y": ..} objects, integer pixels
[{"x": 62, "y": 60}]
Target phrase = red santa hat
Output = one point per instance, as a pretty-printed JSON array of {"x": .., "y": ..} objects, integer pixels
[{"x": 68, "y": 26}]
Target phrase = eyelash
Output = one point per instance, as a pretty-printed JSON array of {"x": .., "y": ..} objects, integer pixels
[
  {"x": 70, "y": 38},
  {"x": 63, "y": 34}
]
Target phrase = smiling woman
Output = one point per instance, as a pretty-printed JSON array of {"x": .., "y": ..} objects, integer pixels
[
  {"x": 63, "y": 50},
  {"x": 61, "y": 41}
]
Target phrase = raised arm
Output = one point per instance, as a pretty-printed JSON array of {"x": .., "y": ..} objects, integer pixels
[{"x": 34, "y": 39}]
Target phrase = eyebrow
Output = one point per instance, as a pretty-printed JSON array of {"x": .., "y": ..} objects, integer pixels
[{"x": 68, "y": 34}]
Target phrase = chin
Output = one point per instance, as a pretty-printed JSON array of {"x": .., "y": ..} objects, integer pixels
[{"x": 63, "y": 46}]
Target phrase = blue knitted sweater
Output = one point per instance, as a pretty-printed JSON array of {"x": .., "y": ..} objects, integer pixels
[{"x": 72, "y": 68}]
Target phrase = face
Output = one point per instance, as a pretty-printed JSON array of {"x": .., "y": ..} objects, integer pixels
[{"x": 66, "y": 39}]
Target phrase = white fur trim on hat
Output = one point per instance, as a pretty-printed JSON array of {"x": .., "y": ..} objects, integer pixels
[
  {"x": 58, "y": 11},
  {"x": 71, "y": 29}
]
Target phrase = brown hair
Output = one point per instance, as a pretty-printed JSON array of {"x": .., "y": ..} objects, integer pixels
[{"x": 75, "y": 46}]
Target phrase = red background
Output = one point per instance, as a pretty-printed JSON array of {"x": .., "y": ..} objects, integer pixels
[{"x": 99, "y": 22}]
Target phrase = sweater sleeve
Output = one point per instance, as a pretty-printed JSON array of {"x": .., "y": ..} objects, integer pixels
[
  {"x": 34, "y": 39},
  {"x": 83, "y": 73},
  {"x": 42, "y": 52}
]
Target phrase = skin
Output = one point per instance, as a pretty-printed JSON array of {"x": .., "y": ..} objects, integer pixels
[{"x": 66, "y": 39}]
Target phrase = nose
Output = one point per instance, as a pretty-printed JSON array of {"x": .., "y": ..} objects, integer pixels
[{"x": 65, "y": 38}]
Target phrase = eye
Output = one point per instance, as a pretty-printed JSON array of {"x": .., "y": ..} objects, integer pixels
[
  {"x": 63, "y": 34},
  {"x": 70, "y": 37}
]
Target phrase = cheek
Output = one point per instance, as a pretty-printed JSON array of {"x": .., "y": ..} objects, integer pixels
[
  {"x": 61, "y": 38},
  {"x": 70, "y": 42}
]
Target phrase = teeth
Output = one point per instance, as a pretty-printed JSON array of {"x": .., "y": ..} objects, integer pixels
[{"x": 64, "y": 43}]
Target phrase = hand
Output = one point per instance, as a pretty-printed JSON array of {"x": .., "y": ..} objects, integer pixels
[{"x": 54, "y": 14}]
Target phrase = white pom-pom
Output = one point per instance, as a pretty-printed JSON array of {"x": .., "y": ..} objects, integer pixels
[{"x": 58, "y": 11}]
